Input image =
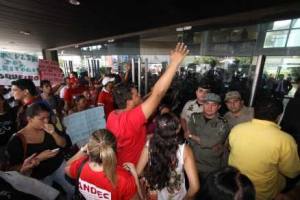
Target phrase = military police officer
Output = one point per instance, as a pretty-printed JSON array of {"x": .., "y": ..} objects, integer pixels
[
  {"x": 207, "y": 135},
  {"x": 194, "y": 106}
]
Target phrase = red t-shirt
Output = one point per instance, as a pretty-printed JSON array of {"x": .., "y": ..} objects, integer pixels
[
  {"x": 107, "y": 100},
  {"x": 95, "y": 185},
  {"x": 73, "y": 80},
  {"x": 71, "y": 93},
  {"x": 130, "y": 132}
]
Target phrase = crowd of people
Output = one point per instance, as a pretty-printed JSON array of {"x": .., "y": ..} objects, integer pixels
[{"x": 147, "y": 150}]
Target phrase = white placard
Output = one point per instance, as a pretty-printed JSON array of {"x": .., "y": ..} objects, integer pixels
[
  {"x": 79, "y": 126},
  {"x": 15, "y": 66}
]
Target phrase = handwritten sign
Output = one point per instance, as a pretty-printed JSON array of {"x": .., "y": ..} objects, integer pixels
[
  {"x": 79, "y": 126},
  {"x": 49, "y": 70},
  {"x": 15, "y": 66}
]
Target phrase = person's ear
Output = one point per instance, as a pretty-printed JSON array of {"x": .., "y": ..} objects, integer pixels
[
  {"x": 128, "y": 103},
  {"x": 27, "y": 92},
  {"x": 29, "y": 119}
]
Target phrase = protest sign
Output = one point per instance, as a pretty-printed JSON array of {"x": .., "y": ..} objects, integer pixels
[
  {"x": 50, "y": 70},
  {"x": 15, "y": 66},
  {"x": 79, "y": 126}
]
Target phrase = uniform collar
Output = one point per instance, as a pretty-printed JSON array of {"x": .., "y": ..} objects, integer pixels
[
  {"x": 215, "y": 117},
  {"x": 242, "y": 112},
  {"x": 196, "y": 102}
]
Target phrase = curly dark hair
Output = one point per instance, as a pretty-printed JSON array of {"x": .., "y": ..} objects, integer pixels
[
  {"x": 227, "y": 184},
  {"x": 163, "y": 147}
]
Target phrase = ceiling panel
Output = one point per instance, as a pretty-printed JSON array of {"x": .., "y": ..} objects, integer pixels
[{"x": 54, "y": 23}]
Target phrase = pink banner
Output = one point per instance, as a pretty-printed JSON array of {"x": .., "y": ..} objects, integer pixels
[{"x": 50, "y": 70}]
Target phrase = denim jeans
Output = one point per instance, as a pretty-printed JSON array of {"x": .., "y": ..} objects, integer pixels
[{"x": 59, "y": 177}]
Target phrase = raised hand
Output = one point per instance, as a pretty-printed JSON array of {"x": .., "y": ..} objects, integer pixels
[
  {"x": 128, "y": 67},
  {"x": 130, "y": 167},
  {"x": 179, "y": 53}
]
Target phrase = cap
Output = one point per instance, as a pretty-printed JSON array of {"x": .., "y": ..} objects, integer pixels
[
  {"x": 213, "y": 97},
  {"x": 232, "y": 95},
  {"x": 107, "y": 80},
  {"x": 204, "y": 84}
]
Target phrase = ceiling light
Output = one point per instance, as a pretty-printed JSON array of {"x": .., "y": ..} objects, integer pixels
[
  {"x": 179, "y": 29},
  {"x": 25, "y": 33},
  {"x": 111, "y": 40},
  {"x": 187, "y": 28},
  {"x": 74, "y": 2}
]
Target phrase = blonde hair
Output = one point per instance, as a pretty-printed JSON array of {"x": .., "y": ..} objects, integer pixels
[{"x": 102, "y": 150}]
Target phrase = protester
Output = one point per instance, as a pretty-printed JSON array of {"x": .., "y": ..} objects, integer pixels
[
  {"x": 16, "y": 186},
  {"x": 24, "y": 91},
  {"x": 81, "y": 104},
  {"x": 228, "y": 184},
  {"x": 63, "y": 89},
  {"x": 48, "y": 96},
  {"x": 128, "y": 123},
  {"x": 40, "y": 138},
  {"x": 260, "y": 150},
  {"x": 105, "y": 97},
  {"x": 164, "y": 161},
  {"x": 95, "y": 167},
  {"x": 72, "y": 92}
]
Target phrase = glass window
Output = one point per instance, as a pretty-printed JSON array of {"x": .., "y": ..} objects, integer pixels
[
  {"x": 294, "y": 38},
  {"x": 275, "y": 39},
  {"x": 276, "y": 66},
  {"x": 279, "y": 25},
  {"x": 296, "y": 23}
]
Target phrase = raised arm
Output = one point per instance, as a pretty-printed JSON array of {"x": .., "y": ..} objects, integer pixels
[{"x": 164, "y": 82}]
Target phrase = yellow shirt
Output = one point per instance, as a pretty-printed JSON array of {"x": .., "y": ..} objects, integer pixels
[{"x": 264, "y": 153}]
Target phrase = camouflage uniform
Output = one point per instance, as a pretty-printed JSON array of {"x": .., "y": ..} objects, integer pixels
[
  {"x": 245, "y": 116},
  {"x": 211, "y": 132},
  {"x": 189, "y": 108}
]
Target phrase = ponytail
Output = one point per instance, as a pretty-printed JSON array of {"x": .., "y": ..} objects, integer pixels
[
  {"x": 102, "y": 150},
  {"x": 109, "y": 162}
]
